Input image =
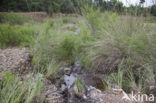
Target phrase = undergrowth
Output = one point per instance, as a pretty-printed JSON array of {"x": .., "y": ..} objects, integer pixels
[
  {"x": 13, "y": 18},
  {"x": 121, "y": 38},
  {"x": 15, "y": 35},
  {"x": 13, "y": 90},
  {"x": 55, "y": 46},
  {"x": 122, "y": 47}
]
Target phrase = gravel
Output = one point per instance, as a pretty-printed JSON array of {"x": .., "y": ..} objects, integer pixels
[{"x": 18, "y": 60}]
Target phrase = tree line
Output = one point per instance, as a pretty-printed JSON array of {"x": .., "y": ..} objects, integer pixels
[{"x": 71, "y": 6}]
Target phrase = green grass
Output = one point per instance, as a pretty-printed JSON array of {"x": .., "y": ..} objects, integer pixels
[
  {"x": 58, "y": 45},
  {"x": 13, "y": 18},
  {"x": 79, "y": 85},
  {"x": 102, "y": 36},
  {"x": 15, "y": 91},
  {"x": 52, "y": 69},
  {"x": 69, "y": 19},
  {"x": 121, "y": 38},
  {"x": 15, "y": 35},
  {"x": 150, "y": 19}
]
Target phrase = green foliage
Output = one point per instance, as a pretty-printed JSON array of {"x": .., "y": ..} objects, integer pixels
[
  {"x": 67, "y": 48},
  {"x": 55, "y": 46},
  {"x": 91, "y": 16},
  {"x": 150, "y": 20},
  {"x": 13, "y": 5},
  {"x": 138, "y": 10},
  {"x": 142, "y": 1},
  {"x": 68, "y": 6},
  {"x": 15, "y": 91},
  {"x": 126, "y": 35},
  {"x": 116, "y": 78},
  {"x": 52, "y": 69},
  {"x": 111, "y": 5},
  {"x": 50, "y": 23},
  {"x": 15, "y": 35},
  {"x": 83, "y": 45},
  {"x": 129, "y": 78},
  {"x": 49, "y": 6},
  {"x": 79, "y": 85},
  {"x": 13, "y": 18},
  {"x": 68, "y": 20},
  {"x": 34, "y": 88},
  {"x": 153, "y": 10},
  {"x": 128, "y": 38}
]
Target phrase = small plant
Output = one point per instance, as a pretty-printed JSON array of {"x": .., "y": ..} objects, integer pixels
[
  {"x": 35, "y": 88},
  {"x": 15, "y": 91},
  {"x": 92, "y": 16},
  {"x": 117, "y": 78},
  {"x": 48, "y": 25},
  {"x": 67, "y": 48},
  {"x": 52, "y": 70},
  {"x": 79, "y": 85},
  {"x": 68, "y": 20}
]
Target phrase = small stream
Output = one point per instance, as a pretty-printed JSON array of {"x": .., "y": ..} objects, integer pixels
[
  {"x": 69, "y": 80},
  {"x": 71, "y": 92}
]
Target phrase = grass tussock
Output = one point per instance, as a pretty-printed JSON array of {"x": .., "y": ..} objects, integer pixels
[
  {"x": 15, "y": 35},
  {"x": 15, "y": 91},
  {"x": 56, "y": 46},
  {"x": 121, "y": 38}
]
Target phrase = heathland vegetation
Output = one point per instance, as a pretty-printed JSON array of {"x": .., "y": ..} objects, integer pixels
[{"x": 105, "y": 37}]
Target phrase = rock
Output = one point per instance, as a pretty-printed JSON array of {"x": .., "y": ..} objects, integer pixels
[
  {"x": 63, "y": 87},
  {"x": 67, "y": 70},
  {"x": 95, "y": 80},
  {"x": 107, "y": 97},
  {"x": 18, "y": 60},
  {"x": 52, "y": 94},
  {"x": 69, "y": 80}
]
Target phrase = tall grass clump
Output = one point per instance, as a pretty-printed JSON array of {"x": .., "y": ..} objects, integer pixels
[
  {"x": 91, "y": 15},
  {"x": 51, "y": 48},
  {"x": 130, "y": 79},
  {"x": 13, "y": 18},
  {"x": 122, "y": 38},
  {"x": 55, "y": 46},
  {"x": 84, "y": 45},
  {"x": 15, "y": 91},
  {"x": 15, "y": 35}
]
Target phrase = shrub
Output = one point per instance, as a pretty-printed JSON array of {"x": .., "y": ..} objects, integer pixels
[
  {"x": 83, "y": 46},
  {"x": 49, "y": 24},
  {"x": 68, "y": 20},
  {"x": 55, "y": 46},
  {"x": 13, "y": 18},
  {"x": 121, "y": 38},
  {"x": 125, "y": 35},
  {"x": 67, "y": 48},
  {"x": 15, "y": 36},
  {"x": 91, "y": 16},
  {"x": 153, "y": 10}
]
